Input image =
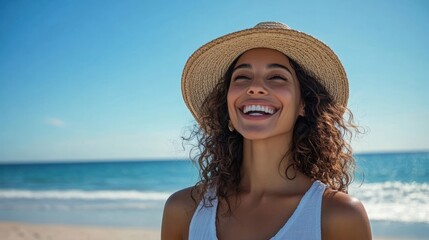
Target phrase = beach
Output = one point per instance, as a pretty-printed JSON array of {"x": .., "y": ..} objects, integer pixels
[
  {"x": 21, "y": 231},
  {"x": 125, "y": 199},
  {"x": 25, "y": 231}
]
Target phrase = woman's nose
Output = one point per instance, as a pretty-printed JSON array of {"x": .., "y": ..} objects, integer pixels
[{"x": 256, "y": 88}]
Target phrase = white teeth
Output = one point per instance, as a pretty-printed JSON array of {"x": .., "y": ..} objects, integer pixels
[{"x": 257, "y": 108}]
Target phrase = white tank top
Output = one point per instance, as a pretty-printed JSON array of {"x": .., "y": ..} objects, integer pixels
[{"x": 305, "y": 222}]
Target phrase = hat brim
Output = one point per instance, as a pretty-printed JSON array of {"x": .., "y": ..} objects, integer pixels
[{"x": 206, "y": 66}]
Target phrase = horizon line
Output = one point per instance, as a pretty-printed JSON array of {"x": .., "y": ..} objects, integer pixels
[{"x": 166, "y": 159}]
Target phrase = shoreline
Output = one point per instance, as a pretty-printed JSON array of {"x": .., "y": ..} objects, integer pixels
[{"x": 32, "y": 231}]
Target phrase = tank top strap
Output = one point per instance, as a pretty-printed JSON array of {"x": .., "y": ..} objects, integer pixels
[
  {"x": 203, "y": 222},
  {"x": 305, "y": 222}
]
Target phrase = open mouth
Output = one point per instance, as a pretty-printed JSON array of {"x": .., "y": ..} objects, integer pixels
[{"x": 258, "y": 110}]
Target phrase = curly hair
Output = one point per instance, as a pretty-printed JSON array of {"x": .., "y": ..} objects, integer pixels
[{"x": 319, "y": 145}]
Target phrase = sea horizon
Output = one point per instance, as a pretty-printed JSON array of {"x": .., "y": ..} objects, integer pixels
[{"x": 154, "y": 159}]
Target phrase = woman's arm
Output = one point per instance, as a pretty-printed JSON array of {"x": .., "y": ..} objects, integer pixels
[
  {"x": 178, "y": 212},
  {"x": 344, "y": 217}
]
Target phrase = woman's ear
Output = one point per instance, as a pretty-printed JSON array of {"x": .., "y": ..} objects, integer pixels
[{"x": 302, "y": 110}]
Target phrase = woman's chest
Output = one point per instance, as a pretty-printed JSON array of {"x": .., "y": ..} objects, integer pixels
[{"x": 254, "y": 220}]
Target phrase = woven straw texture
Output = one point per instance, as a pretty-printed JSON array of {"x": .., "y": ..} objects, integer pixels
[{"x": 208, "y": 64}]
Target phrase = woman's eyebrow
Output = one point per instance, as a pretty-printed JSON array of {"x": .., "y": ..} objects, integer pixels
[
  {"x": 276, "y": 65},
  {"x": 244, "y": 65},
  {"x": 272, "y": 65}
]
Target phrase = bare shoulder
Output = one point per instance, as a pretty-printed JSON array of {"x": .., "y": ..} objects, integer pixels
[
  {"x": 182, "y": 199},
  {"x": 178, "y": 211},
  {"x": 344, "y": 217}
]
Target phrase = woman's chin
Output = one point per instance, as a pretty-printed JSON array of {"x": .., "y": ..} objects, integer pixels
[{"x": 257, "y": 135}]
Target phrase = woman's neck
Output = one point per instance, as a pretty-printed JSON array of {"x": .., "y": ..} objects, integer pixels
[{"x": 264, "y": 165}]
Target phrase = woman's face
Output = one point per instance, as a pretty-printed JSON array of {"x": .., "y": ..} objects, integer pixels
[{"x": 264, "y": 95}]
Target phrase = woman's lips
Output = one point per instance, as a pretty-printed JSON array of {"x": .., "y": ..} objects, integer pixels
[
  {"x": 257, "y": 111},
  {"x": 258, "y": 108}
]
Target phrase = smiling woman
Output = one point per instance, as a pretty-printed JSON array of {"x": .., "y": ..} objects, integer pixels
[
  {"x": 257, "y": 83},
  {"x": 273, "y": 156}
]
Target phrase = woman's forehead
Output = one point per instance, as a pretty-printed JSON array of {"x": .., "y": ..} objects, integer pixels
[{"x": 263, "y": 56}]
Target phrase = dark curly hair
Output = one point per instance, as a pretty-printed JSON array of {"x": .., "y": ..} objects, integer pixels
[{"x": 319, "y": 149}]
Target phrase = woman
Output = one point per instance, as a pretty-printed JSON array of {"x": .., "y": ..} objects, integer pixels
[{"x": 274, "y": 162}]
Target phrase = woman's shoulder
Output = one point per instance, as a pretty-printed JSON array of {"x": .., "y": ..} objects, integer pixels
[
  {"x": 178, "y": 211},
  {"x": 344, "y": 217},
  {"x": 183, "y": 199}
]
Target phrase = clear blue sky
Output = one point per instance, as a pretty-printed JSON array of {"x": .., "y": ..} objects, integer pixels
[{"x": 101, "y": 79}]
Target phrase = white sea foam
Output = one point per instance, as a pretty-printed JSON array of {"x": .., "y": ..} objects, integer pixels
[
  {"x": 387, "y": 201},
  {"x": 84, "y": 195},
  {"x": 394, "y": 201}
]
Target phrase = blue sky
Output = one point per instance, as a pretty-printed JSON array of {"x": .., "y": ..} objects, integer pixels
[{"x": 101, "y": 79}]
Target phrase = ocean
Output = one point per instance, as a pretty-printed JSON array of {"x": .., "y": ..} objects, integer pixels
[{"x": 394, "y": 187}]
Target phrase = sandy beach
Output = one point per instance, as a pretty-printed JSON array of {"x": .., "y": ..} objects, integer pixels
[{"x": 26, "y": 231}]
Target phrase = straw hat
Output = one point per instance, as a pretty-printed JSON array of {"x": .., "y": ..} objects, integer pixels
[{"x": 207, "y": 65}]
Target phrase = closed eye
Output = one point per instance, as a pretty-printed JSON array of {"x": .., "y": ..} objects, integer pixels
[
  {"x": 241, "y": 77},
  {"x": 277, "y": 77}
]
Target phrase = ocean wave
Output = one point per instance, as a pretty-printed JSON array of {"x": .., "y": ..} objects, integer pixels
[
  {"x": 394, "y": 201},
  {"x": 83, "y": 195},
  {"x": 386, "y": 201}
]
